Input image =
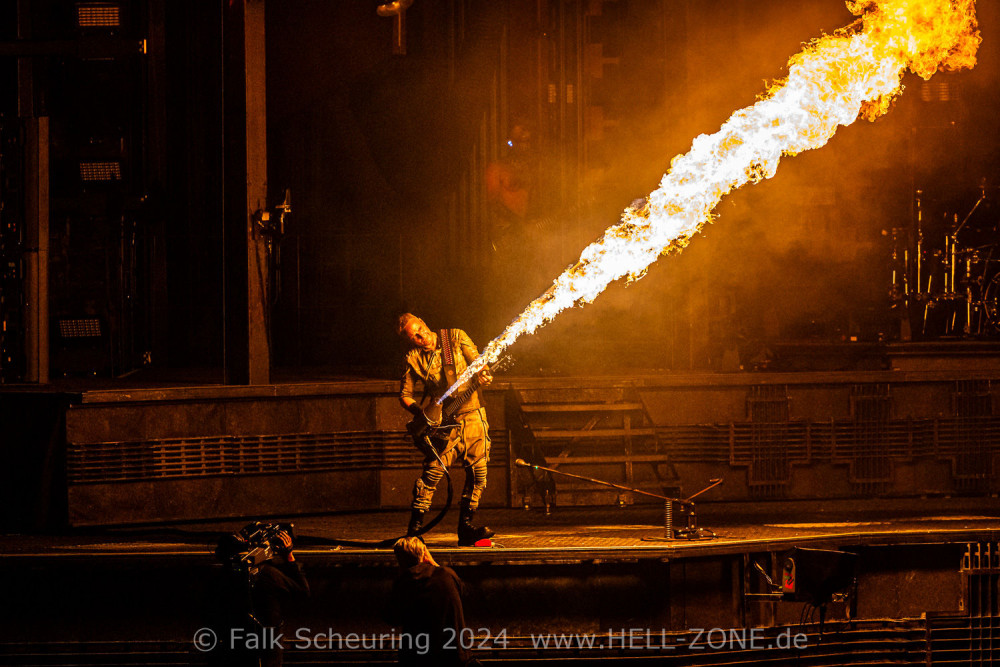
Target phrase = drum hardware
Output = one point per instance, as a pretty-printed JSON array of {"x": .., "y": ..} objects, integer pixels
[
  {"x": 991, "y": 302},
  {"x": 958, "y": 280},
  {"x": 982, "y": 197},
  {"x": 920, "y": 239},
  {"x": 899, "y": 291}
]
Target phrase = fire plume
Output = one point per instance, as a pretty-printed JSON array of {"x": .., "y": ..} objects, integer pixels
[{"x": 855, "y": 72}]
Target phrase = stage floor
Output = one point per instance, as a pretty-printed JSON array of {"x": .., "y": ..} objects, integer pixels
[{"x": 567, "y": 534}]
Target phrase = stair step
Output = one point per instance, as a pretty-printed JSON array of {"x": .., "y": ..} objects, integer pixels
[
  {"x": 642, "y": 458},
  {"x": 544, "y": 434},
  {"x": 581, "y": 407}
]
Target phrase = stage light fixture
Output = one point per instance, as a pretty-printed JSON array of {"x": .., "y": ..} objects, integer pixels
[
  {"x": 98, "y": 15},
  {"x": 935, "y": 91},
  {"x": 80, "y": 328},
  {"x": 91, "y": 171}
]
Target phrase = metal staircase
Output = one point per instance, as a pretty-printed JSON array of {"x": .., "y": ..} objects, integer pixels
[{"x": 608, "y": 437}]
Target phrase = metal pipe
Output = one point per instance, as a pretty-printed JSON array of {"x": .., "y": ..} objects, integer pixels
[
  {"x": 920, "y": 241},
  {"x": 524, "y": 464},
  {"x": 712, "y": 483}
]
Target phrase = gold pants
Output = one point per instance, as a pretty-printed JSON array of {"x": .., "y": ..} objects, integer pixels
[{"x": 471, "y": 442}]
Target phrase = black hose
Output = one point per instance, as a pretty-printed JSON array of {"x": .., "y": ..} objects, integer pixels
[{"x": 384, "y": 544}]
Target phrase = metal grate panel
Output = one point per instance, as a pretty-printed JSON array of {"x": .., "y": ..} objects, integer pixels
[
  {"x": 981, "y": 570},
  {"x": 241, "y": 455},
  {"x": 769, "y": 472},
  {"x": 972, "y": 406},
  {"x": 871, "y": 462},
  {"x": 851, "y": 442},
  {"x": 965, "y": 641},
  {"x": 98, "y": 15}
]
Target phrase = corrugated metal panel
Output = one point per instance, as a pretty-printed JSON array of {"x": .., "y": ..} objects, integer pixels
[{"x": 240, "y": 455}]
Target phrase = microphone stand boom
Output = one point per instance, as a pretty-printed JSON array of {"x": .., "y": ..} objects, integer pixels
[{"x": 691, "y": 531}]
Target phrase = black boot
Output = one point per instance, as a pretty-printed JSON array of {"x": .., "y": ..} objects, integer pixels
[
  {"x": 468, "y": 534},
  {"x": 416, "y": 522}
]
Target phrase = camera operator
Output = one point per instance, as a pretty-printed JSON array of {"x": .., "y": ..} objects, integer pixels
[
  {"x": 262, "y": 577},
  {"x": 278, "y": 581}
]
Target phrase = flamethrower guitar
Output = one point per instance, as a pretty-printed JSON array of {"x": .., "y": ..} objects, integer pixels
[{"x": 433, "y": 426}]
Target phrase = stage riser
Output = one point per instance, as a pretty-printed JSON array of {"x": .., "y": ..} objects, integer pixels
[
  {"x": 233, "y": 496},
  {"x": 914, "y": 439},
  {"x": 178, "y": 454},
  {"x": 148, "y": 462},
  {"x": 257, "y": 496}
]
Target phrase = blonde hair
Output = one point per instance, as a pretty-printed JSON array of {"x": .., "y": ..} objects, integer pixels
[
  {"x": 410, "y": 551},
  {"x": 404, "y": 319}
]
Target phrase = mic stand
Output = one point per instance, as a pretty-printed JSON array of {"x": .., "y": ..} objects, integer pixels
[{"x": 691, "y": 531}]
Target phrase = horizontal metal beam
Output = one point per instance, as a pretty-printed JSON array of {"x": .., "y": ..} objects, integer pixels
[{"x": 85, "y": 47}]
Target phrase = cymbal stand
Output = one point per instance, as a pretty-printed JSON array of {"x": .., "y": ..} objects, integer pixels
[
  {"x": 900, "y": 290},
  {"x": 950, "y": 250},
  {"x": 918, "y": 261},
  {"x": 920, "y": 242},
  {"x": 967, "y": 326},
  {"x": 969, "y": 215}
]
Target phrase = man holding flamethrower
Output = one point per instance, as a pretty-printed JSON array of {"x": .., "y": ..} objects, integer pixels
[{"x": 457, "y": 429}]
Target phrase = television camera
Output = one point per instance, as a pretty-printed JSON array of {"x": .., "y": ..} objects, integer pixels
[{"x": 254, "y": 544}]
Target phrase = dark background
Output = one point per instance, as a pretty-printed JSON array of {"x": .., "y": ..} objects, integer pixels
[{"x": 393, "y": 162}]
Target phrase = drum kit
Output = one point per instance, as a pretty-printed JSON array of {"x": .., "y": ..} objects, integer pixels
[{"x": 946, "y": 269}]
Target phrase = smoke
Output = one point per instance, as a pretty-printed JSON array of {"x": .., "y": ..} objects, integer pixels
[{"x": 832, "y": 82}]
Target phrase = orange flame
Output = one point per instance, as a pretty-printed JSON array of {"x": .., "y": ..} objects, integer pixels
[{"x": 856, "y": 72}]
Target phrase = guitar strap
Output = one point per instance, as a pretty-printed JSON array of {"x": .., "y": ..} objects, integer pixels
[
  {"x": 447, "y": 357},
  {"x": 448, "y": 362}
]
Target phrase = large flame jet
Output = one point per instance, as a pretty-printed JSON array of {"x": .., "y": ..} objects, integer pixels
[{"x": 836, "y": 79}]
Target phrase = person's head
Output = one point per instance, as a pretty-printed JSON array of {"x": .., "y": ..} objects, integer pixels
[
  {"x": 410, "y": 551},
  {"x": 415, "y": 330}
]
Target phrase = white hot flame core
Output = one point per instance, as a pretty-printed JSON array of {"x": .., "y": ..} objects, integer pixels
[{"x": 832, "y": 82}]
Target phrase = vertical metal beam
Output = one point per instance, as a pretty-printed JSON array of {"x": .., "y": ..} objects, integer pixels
[
  {"x": 157, "y": 312},
  {"x": 247, "y": 348},
  {"x": 36, "y": 212},
  {"x": 36, "y": 206},
  {"x": 256, "y": 198}
]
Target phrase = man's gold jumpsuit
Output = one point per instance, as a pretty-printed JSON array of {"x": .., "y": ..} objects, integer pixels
[{"x": 470, "y": 441}]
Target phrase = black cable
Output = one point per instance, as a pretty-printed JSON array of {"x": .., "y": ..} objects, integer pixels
[{"x": 384, "y": 544}]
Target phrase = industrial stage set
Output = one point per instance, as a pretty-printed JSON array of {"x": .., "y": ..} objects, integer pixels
[{"x": 738, "y": 413}]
